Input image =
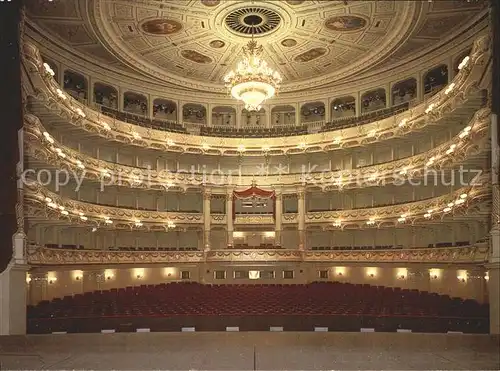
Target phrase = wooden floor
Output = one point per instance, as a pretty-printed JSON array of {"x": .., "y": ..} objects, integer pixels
[{"x": 251, "y": 351}]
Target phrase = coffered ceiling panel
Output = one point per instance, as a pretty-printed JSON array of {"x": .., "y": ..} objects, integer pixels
[{"x": 196, "y": 42}]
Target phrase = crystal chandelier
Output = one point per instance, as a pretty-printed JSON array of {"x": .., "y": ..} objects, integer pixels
[{"x": 253, "y": 81}]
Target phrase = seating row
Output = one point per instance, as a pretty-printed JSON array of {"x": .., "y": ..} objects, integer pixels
[{"x": 325, "y": 299}]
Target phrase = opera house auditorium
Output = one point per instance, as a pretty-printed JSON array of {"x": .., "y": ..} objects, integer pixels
[{"x": 209, "y": 184}]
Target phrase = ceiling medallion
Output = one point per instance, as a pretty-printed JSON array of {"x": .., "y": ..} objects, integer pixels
[
  {"x": 217, "y": 44},
  {"x": 345, "y": 23},
  {"x": 253, "y": 81},
  {"x": 253, "y": 20},
  {"x": 288, "y": 43},
  {"x": 161, "y": 26},
  {"x": 210, "y": 3}
]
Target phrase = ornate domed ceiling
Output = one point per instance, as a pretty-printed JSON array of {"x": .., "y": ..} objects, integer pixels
[{"x": 194, "y": 43}]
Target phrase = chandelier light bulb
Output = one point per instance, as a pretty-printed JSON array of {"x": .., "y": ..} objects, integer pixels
[{"x": 253, "y": 81}]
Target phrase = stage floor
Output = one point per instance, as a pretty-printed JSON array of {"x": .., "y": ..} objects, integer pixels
[{"x": 251, "y": 351}]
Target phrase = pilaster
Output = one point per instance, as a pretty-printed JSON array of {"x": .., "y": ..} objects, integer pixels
[
  {"x": 301, "y": 209},
  {"x": 13, "y": 295},
  {"x": 278, "y": 219},
  {"x": 229, "y": 218},
  {"x": 494, "y": 259},
  {"x": 207, "y": 197}
]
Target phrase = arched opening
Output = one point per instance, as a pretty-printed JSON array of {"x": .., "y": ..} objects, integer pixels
[
  {"x": 435, "y": 80},
  {"x": 105, "y": 95},
  {"x": 135, "y": 103},
  {"x": 76, "y": 85},
  {"x": 404, "y": 91},
  {"x": 253, "y": 119},
  {"x": 283, "y": 115},
  {"x": 373, "y": 100},
  {"x": 223, "y": 116},
  {"x": 459, "y": 59},
  {"x": 164, "y": 109},
  {"x": 343, "y": 107},
  {"x": 194, "y": 113},
  {"x": 313, "y": 111}
]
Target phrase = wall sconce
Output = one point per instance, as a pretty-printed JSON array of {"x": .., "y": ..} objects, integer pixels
[
  {"x": 371, "y": 272},
  {"x": 435, "y": 273},
  {"x": 138, "y": 273},
  {"x": 340, "y": 271},
  {"x": 462, "y": 276},
  {"x": 51, "y": 278},
  {"x": 77, "y": 275},
  {"x": 28, "y": 278},
  {"x": 402, "y": 273},
  {"x": 109, "y": 274}
]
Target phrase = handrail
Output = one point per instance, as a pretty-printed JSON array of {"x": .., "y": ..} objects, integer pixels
[
  {"x": 387, "y": 172},
  {"x": 38, "y": 255},
  {"x": 40, "y": 201},
  {"x": 50, "y": 95}
]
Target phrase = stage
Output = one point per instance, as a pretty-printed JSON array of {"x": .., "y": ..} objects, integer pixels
[{"x": 251, "y": 351}]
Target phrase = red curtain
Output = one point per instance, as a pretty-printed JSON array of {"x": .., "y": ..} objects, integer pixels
[{"x": 254, "y": 191}]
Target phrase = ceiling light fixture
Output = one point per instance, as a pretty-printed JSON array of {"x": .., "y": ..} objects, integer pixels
[{"x": 253, "y": 81}]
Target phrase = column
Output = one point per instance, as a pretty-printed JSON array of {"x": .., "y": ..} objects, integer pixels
[
  {"x": 388, "y": 95},
  {"x": 268, "y": 116},
  {"x": 207, "y": 196},
  {"x": 451, "y": 70},
  {"x": 420, "y": 87},
  {"x": 358, "y": 104},
  {"x": 297, "y": 114},
  {"x": 278, "y": 216},
  {"x": 239, "y": 110},
  {"x": 493, "y": 265},
  {"x": 229, "y": 217},
  {"x": 301, "y": 209},
  {"x": 90, "y": 92},
  {"x": 328, "y": 110},
  {"x": 179, "y": 112},
  {"x": 209, "y": 114},
  {"x": 60, "y": 74},
  {"x": 120, "y": 99},
  {"x": 150, "y": 106}
]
